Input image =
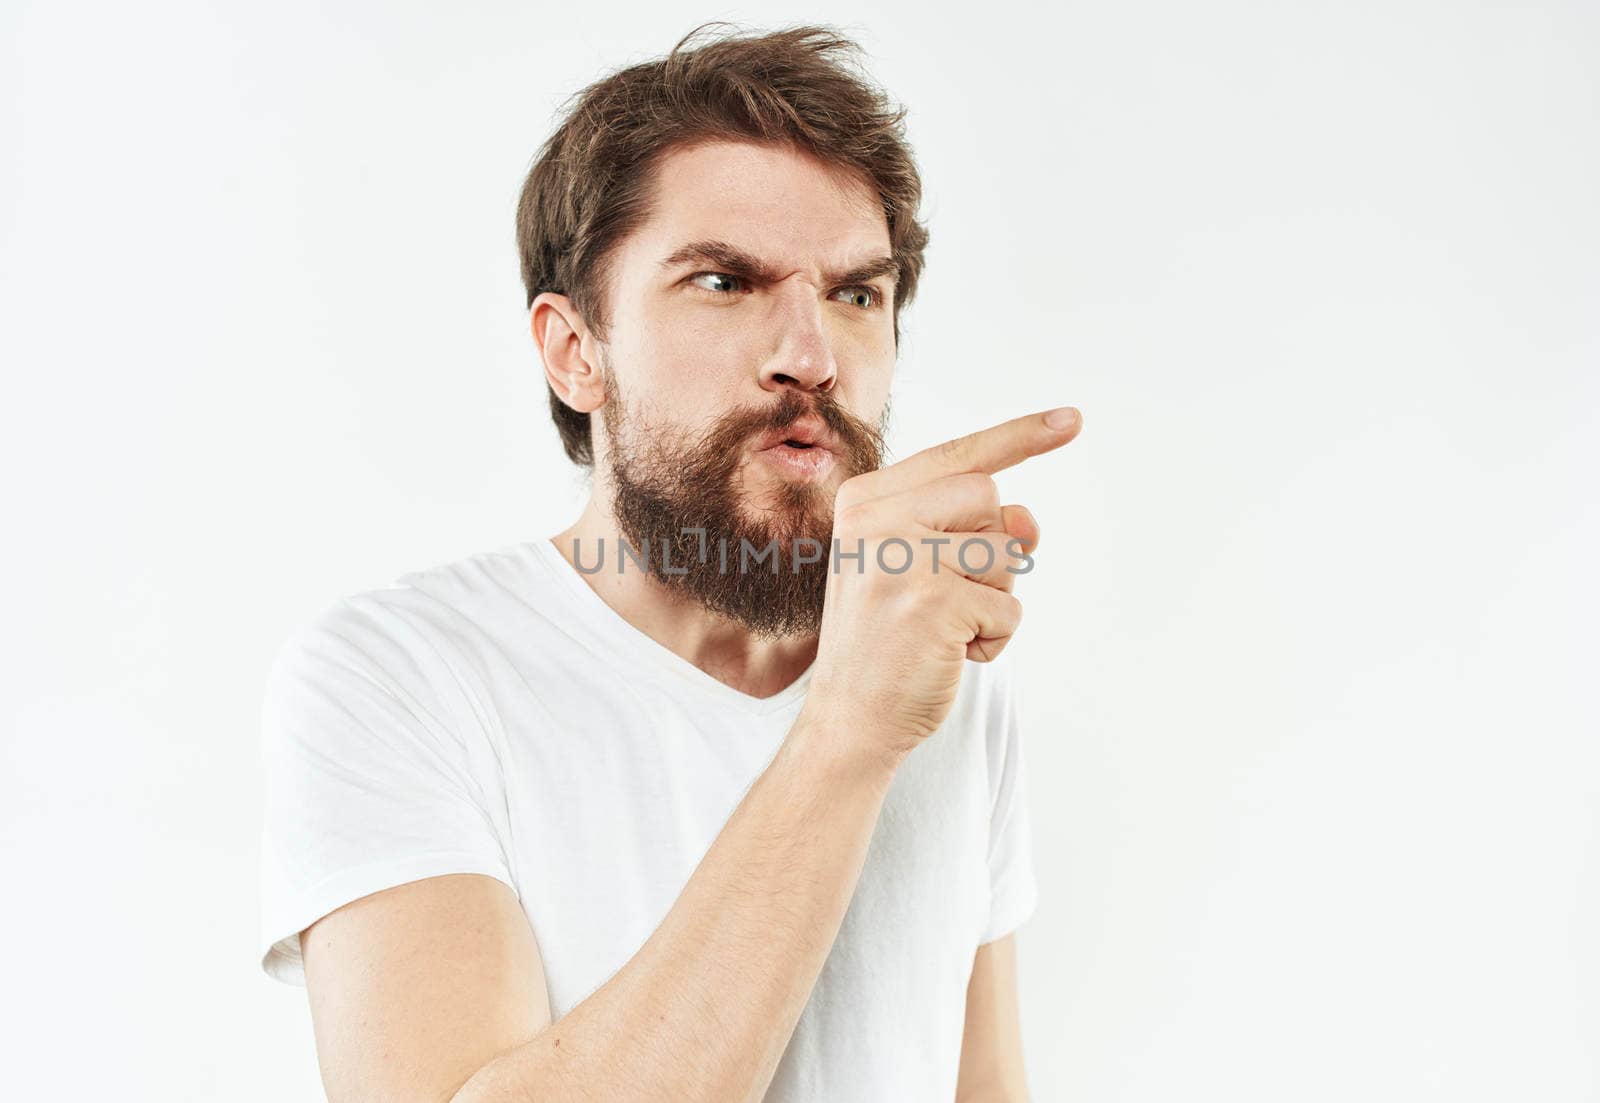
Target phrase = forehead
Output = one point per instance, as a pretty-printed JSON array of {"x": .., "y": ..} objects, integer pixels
[{"x": 784, "y": 205}]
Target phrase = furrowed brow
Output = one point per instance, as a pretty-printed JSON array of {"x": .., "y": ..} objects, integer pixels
[
  {"x": 868, "y": 271},
  {"x": 724, "y": 258},
  {"x": 736, "y": 262}
]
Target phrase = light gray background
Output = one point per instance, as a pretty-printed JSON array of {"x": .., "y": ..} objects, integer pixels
[{"x": 1308, "y": 656}]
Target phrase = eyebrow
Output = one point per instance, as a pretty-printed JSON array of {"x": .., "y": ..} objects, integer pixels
[{"x": 737, "y": 262}]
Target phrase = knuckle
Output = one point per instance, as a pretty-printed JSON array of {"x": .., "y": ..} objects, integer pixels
[
  {"x": 974, "y": 489},
  {"x": 1015, "y": 607},
  {"x": 975, "y": 554},
  {"x": 990, "y": 649},
  {"x": 984, "y": 488},
  {"x": 850, "y": 492},
  {"x": 851, "y": 517},
  {"x": 955, "y": 450}
]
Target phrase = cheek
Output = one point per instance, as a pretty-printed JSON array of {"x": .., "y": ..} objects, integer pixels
[
  {"x": 866, "y": 369},
  {"x": 681, "y": 361}
]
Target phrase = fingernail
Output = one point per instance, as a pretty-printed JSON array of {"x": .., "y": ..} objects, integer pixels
[{"x": 1061, "y": 417}]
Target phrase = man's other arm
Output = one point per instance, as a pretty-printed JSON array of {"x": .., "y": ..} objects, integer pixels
[
  {"x": 434, "y": 992},
  {"x": 991, "y": 1042},
  {"x": 415, "y": 988}
]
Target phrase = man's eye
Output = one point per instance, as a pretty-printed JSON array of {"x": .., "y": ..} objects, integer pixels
[
  {"x": 867, "y": 298},
  {"x": 718, "y": 282}
]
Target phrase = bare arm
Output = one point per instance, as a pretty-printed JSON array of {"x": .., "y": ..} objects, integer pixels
[
  {"x": 706, "y": 1007},
  {"x": 420, "y": 988},
  {"x": 991, "y": 1041},
  {"x": 415, "y": 988}
]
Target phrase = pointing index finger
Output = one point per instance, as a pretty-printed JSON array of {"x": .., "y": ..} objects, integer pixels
[{"x": 988, "y": 450}]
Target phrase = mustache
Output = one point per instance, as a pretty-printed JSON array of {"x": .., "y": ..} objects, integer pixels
[{"x": 860, "y": 441}]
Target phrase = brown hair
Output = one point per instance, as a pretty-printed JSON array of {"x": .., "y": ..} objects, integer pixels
[{"x": 590, "y": 183}]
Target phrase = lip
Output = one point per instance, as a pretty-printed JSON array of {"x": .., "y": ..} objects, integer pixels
[
  {"x": 801, "y": 463},
  {"x": 812, "y": 431}
]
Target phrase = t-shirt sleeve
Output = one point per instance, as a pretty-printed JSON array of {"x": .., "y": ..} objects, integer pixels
[
  {"x": 1013, "y": 888},
  {"x": 377, "y": 772}
]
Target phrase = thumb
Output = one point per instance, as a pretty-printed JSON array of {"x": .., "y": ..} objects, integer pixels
[{"x": 1019, "y": 523}]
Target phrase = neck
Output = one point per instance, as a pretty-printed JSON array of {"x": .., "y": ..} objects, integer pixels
[{"x": 718, "y": 646}]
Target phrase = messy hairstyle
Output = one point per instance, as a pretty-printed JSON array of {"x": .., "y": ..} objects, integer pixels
[{"x": 591, "y": 181}]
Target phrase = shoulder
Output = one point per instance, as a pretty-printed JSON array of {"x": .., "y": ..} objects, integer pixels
[
  {"x": 418, "y": 641},
  {"x": 419, "y": 616}
]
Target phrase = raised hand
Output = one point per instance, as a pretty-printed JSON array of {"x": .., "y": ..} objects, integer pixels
[{"x": 931, "y": 589}]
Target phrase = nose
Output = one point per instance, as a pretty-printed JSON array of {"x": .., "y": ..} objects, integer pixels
[{"x": 803, "y": 356}]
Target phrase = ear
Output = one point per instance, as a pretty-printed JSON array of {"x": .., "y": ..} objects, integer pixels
[{"x": 571, "y": 358}]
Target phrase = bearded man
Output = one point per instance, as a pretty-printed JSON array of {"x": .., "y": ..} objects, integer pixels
[{"x": 717, "y": 794}]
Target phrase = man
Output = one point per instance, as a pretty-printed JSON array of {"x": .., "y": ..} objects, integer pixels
[{"x": 671, "y": 806}]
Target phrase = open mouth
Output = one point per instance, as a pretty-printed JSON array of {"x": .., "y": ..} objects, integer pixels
[
  {"x": 797, "y": 458},
  {"x": 791, "y": 440}
]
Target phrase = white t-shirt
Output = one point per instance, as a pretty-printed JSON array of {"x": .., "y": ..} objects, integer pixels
[{"x": 493, "y": 715}]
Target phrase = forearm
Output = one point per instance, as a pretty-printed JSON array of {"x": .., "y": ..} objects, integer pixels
[{"x": 705, "y": 1008}]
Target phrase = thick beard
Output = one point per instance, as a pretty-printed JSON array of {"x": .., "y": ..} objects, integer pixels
[{"x": 663, "y": 486}]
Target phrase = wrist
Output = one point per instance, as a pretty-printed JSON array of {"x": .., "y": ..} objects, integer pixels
[{"x": 840, "y": 749}]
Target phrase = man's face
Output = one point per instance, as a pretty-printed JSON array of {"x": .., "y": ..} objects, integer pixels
[{"x": 751, "y": 316}]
